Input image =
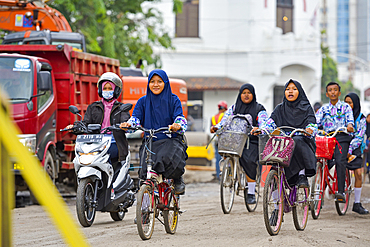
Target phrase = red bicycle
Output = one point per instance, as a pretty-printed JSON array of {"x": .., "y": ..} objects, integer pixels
[
  {"x": 323, "y": 179},
  {"x": 156, "y": 195}
]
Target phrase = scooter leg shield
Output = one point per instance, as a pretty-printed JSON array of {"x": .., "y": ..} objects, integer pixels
[{"x": 126, "y": 184}]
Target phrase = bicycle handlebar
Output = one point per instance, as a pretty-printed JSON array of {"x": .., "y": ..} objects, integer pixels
[
  {"x": 165, "y": 130},
  {"x": 283, "y": 133},
  {"x": 340, "y": 129}
]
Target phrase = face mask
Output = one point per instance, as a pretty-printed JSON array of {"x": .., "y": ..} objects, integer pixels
[{"x": 107, "y": 94}]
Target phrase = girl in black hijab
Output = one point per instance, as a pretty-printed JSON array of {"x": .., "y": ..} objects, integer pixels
[
  {"x": 356, "y": 148},
  {"x": 246, "y": 103},
  {"x": 296, "y": 111}
]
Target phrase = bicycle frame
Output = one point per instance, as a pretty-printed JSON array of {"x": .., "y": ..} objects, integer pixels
[
  {"x": 290, "y": 193},
  {"x": 236, "y": 168}
]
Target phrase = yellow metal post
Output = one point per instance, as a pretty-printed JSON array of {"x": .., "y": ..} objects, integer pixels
[
  {"x": 6, "y": 192},
  {"x": 43, "y": 189}
]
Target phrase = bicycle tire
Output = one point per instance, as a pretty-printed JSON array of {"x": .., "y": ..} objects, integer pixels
[
  {"x": 300, "y": 209},
  {"x": 171, "y": 215},
  {"x": 343, "y": 207},
  {"x": 252, "y": 207},
  {"x": 145, "y": 212},
  {"x": 317, "y": 192},
  {"x": 273, "y": 208},
  {"x": 227, "y": 186}
]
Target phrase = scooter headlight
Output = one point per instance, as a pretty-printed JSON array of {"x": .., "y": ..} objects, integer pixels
[{"x": 86, "y": 159}]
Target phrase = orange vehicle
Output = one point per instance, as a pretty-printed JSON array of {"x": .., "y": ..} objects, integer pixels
[
  {"x": 28, "y": 15},
  {"x": 135, "y": 87}
]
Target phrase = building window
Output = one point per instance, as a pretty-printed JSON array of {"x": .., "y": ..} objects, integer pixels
[
  {"x": 187, "y": 23},
  {"x": 284, "y": 15}
]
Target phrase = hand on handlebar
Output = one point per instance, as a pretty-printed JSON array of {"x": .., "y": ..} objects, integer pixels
[
  {"x": 213, "y": 129},
  {"x": 309, "y": 131},
  {"x": 255, "y": 131},
  {"x": 350, "y": 128},
  {"x": 174, "y": 127},
  {"x": 124, "y": 126}
]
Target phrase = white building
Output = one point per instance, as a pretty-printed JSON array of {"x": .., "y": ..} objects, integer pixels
[
  {"x": 221, "y": 44},
  {"x": 348, "y": 37}
]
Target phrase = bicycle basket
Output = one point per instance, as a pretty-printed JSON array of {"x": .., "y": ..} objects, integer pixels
[
  {"x": 262, "y": 141},
  {"x": 325, "y": 147},
  {"x": 278, "y": 149},
  {"x": 232, "y": 142}
]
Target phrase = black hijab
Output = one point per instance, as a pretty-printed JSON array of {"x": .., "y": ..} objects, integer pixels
[
  {"x": 356, "y": 105},
  {"x": 253, "y": 108},
  {"x": 297, "y": 114}
]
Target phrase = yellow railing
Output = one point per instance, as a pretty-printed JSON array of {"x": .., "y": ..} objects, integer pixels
[{"x": 35, "y": 177}]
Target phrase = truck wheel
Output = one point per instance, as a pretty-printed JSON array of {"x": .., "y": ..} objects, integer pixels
[{"x": 49, "y": 168}]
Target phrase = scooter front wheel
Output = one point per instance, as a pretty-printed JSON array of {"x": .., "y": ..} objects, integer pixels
[{"x": 85, "y": 207}]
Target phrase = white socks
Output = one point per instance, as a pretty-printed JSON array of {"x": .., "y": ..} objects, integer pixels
[
  {"x": 357, "y": 194},
  {"x": 275, "y": 196},
  {"x": 251, "y": 187},
  {"x": 302, "y": 172}
]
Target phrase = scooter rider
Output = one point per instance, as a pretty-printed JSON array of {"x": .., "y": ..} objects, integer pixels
[{"x": 106, "y": 112}]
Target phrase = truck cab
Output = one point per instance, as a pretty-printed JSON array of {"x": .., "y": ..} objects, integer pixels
[{"x": 29, "y": 85}]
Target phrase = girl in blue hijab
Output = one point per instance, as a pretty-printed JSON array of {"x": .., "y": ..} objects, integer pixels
[{"x": 161, "y": 108}]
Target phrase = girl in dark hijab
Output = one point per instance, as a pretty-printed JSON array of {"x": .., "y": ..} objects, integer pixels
[
  {"x": 296, "y": 111},
  {"x": 356, "y": 148},
  {"x": 161, "y": 108},
  {"x": 246, "y": 103}
]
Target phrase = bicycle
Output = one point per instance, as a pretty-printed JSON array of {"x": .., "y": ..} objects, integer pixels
[
  {"x": 156, "y": 195},
  {"x": 278, "y": 195},
  {"x": 325, "y": 146},
  {"x": 233, "y": 177}
]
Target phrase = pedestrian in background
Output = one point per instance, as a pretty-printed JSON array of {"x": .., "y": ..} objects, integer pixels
[{"x": 222, "y": 107}]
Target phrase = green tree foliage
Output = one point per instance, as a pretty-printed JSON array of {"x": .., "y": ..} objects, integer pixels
[
  {"x": 330, "y": 73},
  {"x": 123, "y": 29}
]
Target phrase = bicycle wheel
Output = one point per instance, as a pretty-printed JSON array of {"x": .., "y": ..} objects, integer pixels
[
  {"x": 300, "y": 210},
  {"x": 171, "y": 216},
  {"x": 252, "y": 207},
  {"x": 273, "y": 203},
  {"x": 145, "y": 212},
  {"x": 343, "y": 207},
  {"x": 317, "y": 192},
  {"x": 227, "y": 188}
]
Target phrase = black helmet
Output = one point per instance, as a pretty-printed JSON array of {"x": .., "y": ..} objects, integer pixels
[{"x": 112, "y": 77}]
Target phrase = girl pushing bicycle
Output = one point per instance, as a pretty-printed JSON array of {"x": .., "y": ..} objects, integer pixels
[
  {"x": 296, "y": 111},
  {"x": 246, "y": 103},
  {"x": 161, "y": 108}
]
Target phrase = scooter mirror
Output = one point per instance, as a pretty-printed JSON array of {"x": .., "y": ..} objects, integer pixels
[
  {"x": 125, "y": 107},
  {"x": 73, "y": 109}
]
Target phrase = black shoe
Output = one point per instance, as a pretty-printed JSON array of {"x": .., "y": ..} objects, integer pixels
[
  {"x": 340, "y": 197},
  {"x": 274, "y": 217},
  {"x": 303, "y": 182},
  {"x": 357, "y": 207},
  {"x": 179, "y": 186},
  {"x": 251, "y": 199}
]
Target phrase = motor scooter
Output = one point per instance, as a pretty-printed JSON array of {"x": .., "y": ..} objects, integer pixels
[{"x": 102, "y": 186}]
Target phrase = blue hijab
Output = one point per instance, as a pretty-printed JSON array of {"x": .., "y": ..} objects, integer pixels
[{"x": 159, "y": 110}]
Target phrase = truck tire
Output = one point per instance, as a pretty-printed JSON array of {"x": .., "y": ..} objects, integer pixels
[{"x": 49, "y": 168}]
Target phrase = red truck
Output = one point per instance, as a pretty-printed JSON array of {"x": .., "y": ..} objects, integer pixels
[{"x": 42, "y": 81}]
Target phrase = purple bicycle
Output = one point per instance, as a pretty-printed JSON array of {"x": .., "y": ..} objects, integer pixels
[{"x": 278, "y": 196}]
